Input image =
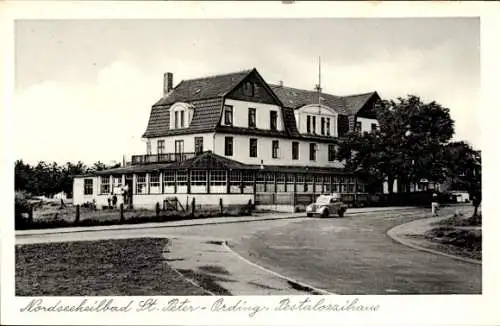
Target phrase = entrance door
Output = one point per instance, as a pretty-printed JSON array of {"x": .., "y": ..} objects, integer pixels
[
  {"x": 129, "y": 183},
  {"x": 179, "y": 149}
]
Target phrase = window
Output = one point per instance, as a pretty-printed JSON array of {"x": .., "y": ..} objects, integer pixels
[
  {"x": 235, "y": 178},
  {"x": 179, "y": 146},
  {"x": 181, "y": 177},
  {"x": 198, "y": 178},
  {"x": 314, "y": 124},
  {"x": 322, "y": 125},
  {"x": 182, "y": 119},
  {"x": 176, "y": 119},
  {"x": 328, "y": 126},
  {"x": 228, "y": 146},
  {"x": 312, "y": 151},
  {"x": 105, "y": 189},
  {"x": 228, "y": 115},
  {"x": 358, "y": 126},
  {"x": 88, "y": 186},
  {"x": 374, "y": 127},
  {"x": 117, "y": 181},
  {"x": 276, "y": 146},
  {"x": 160, "y": 146},
  {"x": 253, "y": 147},
  {"x": 331, "y": 152},
  {"x": 198, "y": 145},
  {"x": 274, "y": 120},
  {"x": 308, "y": 124},
  {"x": 140, "y": 184},
  {"x": 251, "y": 118},
  {"x": 217, "y": 178},
  {"x": 295, "y": 150},
  {"x": 148, "y": 147},
  {"x": 168, "y": 178},
  {"x": 154, "y": 183},
  {"x": 248, "y": 89}
]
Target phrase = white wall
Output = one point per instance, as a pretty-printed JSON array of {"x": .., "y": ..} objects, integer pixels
[
  {"x": 241, "y": 144},
  {"x": 366, "y": 124},
  {"x": 262, "y": 115},
  {"x": 317, "y": 111},
  {"x": 188, "y": 143},
  {"x": 78, "y": 190}
]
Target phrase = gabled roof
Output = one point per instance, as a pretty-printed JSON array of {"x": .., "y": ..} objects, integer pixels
[
  {"x": 295, "y": 98},
  {"x": 354, "y": 103},
  {"x": 205, "y": 119},
  {"x": 209, "y": 160},
  {"x": 203, "y": 88}
]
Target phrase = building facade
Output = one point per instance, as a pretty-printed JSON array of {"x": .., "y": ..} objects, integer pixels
[{"x": 237, "y": 138}]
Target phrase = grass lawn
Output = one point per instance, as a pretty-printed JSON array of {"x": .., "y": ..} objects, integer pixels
[{"x": 131, "y": 267}]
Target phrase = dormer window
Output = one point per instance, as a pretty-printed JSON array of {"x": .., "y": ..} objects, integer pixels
[
  {"x": 274, "y": 120},
  {"x": 228, "y": 115},
  {"x": 181, "y": 115}
]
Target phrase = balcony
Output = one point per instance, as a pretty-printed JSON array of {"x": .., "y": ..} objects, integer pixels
[{"x": 162, "y": 158}]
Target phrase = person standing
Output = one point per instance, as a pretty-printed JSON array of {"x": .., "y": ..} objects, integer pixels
[
  {"x": 434, "y": 205},
  {"x": 115, "y": 200}
]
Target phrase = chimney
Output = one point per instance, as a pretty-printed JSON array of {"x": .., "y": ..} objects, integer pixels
[
  {"x": 168, "y": 82},
  {"x": 281, "y": 83}
]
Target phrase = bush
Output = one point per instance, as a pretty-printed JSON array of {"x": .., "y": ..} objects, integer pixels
[{"x": 22, "y": 209}]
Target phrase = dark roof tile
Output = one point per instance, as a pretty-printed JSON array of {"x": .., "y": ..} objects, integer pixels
[
  {"x": 203, "y": 88},
  {"x": 295, "y": 98},
  {"x": 354, "y": 103}
]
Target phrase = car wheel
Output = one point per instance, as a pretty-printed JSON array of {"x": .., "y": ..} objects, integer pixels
[
  {"x": 309, "y": 214},
  {"x": 325, "y": 213},
  {"x": 341, "y": 212}
]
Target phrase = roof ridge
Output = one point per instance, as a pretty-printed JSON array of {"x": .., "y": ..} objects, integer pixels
[
  {"x": 361, "y": 94},
  {"x": 303, "y": 90},
  {"x": 219, "y": 75}
]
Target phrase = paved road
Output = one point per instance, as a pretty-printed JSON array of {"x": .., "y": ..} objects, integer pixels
[
  {"x": 355, "y": 256},
  {"x": 352, "y": 255}
]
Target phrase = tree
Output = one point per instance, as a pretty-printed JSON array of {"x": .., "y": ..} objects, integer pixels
[
  {"x": 464, "y": 170},
  {"x": 408, "y": 145}
]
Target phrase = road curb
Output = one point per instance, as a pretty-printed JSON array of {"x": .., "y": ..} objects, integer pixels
[
  {"x": 288, "y": 279},
  {"x": 395, "y": 234}
]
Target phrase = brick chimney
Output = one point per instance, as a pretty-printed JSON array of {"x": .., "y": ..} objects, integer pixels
[
  {"x": 168, "y": 82},
  {"x": 281, "y": 83}
]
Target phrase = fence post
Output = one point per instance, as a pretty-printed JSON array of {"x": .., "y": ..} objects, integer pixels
[
  {"x": 77, "y": 217},
  {"x": 157, "y": 209},
  {"x": 221, "y": 206},
  {"x": 30, "y": 215},
  {"x": 193, "y": 206},
  {"x": 122, "y": 216}
]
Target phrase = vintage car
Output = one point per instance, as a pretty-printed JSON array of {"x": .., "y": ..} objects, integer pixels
[{"x": 327, "y": 205}]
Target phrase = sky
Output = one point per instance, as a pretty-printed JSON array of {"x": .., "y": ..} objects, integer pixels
[{"x": 84, "y": 88}]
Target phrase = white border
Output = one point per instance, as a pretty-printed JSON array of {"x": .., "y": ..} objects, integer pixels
[{"x": 395, "y": 310}]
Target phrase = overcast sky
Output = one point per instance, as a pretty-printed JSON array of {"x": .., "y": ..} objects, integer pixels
[{"x": 84, "y": 88}]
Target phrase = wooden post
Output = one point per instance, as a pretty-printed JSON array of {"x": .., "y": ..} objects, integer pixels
[
  {"x": 228, "y": 184},
  {"x": 193, "y": 206},
  {"x": 77, "y": 217},
  {"x": 221, "y": 206},
  {"x": 188, "y": 181},
  {"x": 254, "y": 183},
  {"x": 322, "y": 184},
  {"x": 242, "y": 184},
  {"x": 157, "y": 209},
  {"x": 30, "y": 215},
  {"x": 122, "y": 215},
  {"x": 208, "y": 181},
  {"x": 175, "y": 181}
]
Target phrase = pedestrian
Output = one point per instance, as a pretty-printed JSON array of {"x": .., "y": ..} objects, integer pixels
[
  {"x": 115, "y": 200},
  {"x": 434, "y": 205},
  {"x": 109, "y": 201}
]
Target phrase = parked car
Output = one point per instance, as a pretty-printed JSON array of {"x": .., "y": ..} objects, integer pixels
[{"x": 327, "y": 205}]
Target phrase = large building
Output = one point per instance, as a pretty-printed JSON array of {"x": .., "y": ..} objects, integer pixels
[{"x": 238, "y": 138}]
